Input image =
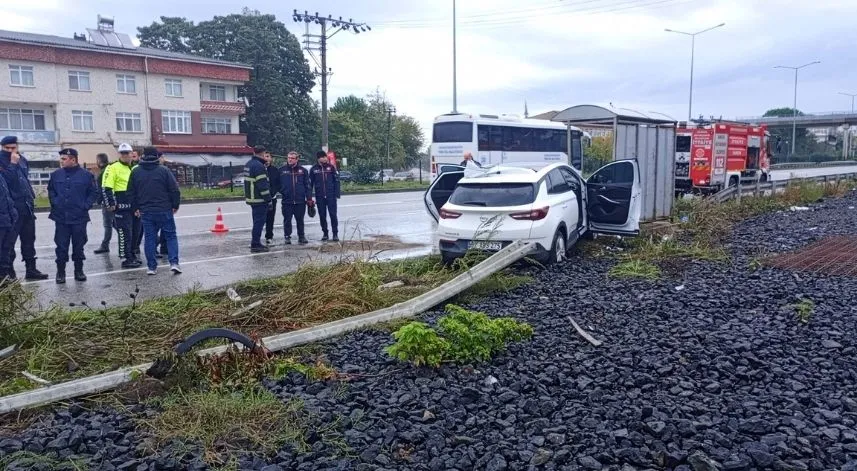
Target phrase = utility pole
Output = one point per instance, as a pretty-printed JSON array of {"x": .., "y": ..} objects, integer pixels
[
  {"x": 454, "y": 72},
  {"x": 692, "y": 47},
  {"x": 311, "y": 45},
  {"x": 794, "y": 108},
  {"x": 847, "y": 143},
  {"x": 390, "y": 111}
]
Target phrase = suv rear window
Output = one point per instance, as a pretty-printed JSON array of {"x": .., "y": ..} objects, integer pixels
[{"x": 493, "y": 194}]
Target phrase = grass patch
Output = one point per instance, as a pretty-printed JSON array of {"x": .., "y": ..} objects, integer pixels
[
  {"x": 804, "y": 310},
  {"x": 225, "y": 422},
  {"x": 636, "y": 269},
  {"x": 26, "y": 460},
  {"x": 203, "y": 194},
  {"x": 63, "y": 344},
  {"x": 703, "y": 224}
]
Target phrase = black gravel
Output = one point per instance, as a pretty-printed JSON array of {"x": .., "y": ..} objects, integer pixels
[{"x": 711, "y": 370}]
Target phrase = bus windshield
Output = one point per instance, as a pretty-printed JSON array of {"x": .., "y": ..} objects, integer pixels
[{"x": 453, "y": 132}]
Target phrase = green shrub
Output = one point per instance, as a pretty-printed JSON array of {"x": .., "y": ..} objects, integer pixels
[
  {"x": 419, "y": 344},
  {"x": 465, "y": 337}
]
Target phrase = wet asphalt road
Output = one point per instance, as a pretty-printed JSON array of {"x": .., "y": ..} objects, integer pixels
[{"x": 215, "y": 260}]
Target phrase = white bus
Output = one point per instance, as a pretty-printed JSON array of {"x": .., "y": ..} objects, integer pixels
[{"x": 502, "y": 139}]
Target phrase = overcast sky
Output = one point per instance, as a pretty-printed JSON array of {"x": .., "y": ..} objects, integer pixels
[{"x": 551, "y": 53}]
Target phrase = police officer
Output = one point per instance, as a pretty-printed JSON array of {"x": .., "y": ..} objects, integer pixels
[
  {"x": 72, "y": 191},
  {"x": 325, "y": 181},
  {"x": 257, "y": 194},
  {"x": 114, "y": 190},
  {"x": 8, "y": 218},
  {"x": 295, "y": 188},
  {"x": 15, "y": 170},
  {"x": 274, "y": 179},
  {"x": 106, "y": 216}
]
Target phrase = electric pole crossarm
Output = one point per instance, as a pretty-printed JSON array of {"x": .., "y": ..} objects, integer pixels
[{"x": 337, "y": 25}]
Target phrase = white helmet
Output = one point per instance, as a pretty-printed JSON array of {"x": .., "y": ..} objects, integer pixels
[{"x": 125, "y": 147}]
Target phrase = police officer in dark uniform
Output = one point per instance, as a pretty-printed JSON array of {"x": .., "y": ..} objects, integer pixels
[
  {"x": 274, "y": 179},
  {"x": 325, "y": 181},
  {"x": 257, "y": 194},
  {"x": 8, "y": 218},
  {"x": 72, "y": 191},
  {"x": 15, "y": 170},
  {"x": 295, "y": 188}
]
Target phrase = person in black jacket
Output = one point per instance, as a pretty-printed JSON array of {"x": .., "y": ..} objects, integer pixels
[
  {"x": 15, "y": 170},
  {"x": 257, "y": 194},
  {"x": 155, "y": 196},
  {"x": 295, "y": 188},
  {"x": 274, "y": 179},
  {"x": 8, "y": 218},
  {"x": 325, "y": 181},
  {"x": 106, "y": 215},
  {"x": 72, "y": 191}
]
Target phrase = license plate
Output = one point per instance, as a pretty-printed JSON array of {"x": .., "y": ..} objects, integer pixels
[{"x": 484, "y": 245}]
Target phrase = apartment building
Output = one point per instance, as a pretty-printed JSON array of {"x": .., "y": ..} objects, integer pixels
[{"x": 95, "y": 91}]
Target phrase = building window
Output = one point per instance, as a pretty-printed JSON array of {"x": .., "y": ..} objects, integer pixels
[
  {"x": 217, "y": 93},
  {"x": 129, "y": 122},
  {"x": 21, "y": 75},
  {"x": 82, "y": 121},
  {"x": 174, "y": 87},
  {"x": 176, "y": 122},
  {"x": 216, "y": 126},
  {"x": 14, "y": 119},
  {"x": 126, "y": 84},
  {"x": 78, "y": 80}
]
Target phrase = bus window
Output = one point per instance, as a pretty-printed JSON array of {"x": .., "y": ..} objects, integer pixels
[{"x": 453, "y": 132}]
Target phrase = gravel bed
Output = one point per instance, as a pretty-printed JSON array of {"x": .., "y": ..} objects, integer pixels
[{"x": 709, "y": 370}]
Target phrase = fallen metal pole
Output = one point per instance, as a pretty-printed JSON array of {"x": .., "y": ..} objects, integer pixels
[{"x": 107, "y": 381}]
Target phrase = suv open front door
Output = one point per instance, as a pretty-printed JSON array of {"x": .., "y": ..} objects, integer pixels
[
  {"x": 439, "y": 191},
  {"x": 613, "y": 198}
]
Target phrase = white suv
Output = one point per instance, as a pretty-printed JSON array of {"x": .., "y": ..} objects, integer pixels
[{"x": 552, "y": 206}]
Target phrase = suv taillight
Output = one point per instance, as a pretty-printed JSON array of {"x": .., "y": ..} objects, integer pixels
[
  {"x": 532, "y": 215},
  {"x": 447, "y": 214}
]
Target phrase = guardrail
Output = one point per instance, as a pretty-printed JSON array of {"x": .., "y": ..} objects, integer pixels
[
  {"x": 832, "y": 163},
  {"x": 759, "y": 188}
]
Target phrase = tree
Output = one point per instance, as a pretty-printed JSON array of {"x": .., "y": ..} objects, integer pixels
[
  {"x": 281, "y": 115},
  {"x": 781, "y": 137},
  {"x": 358, "y": 131},
  {"x": 598, "y": 154}
]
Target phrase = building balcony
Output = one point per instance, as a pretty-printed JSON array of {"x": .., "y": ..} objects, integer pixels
[
  {"x": 33, "y": 137},
  {"x": 231, "y": 108},
  {"x": 199, "y": 139}
]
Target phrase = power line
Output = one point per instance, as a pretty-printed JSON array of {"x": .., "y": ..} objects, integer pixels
[
  {"x": 553, "y": 5},
  {"x": 606, "y": 8}
]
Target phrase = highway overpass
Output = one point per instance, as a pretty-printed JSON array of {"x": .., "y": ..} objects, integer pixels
[{"x": 808, "y": 120}]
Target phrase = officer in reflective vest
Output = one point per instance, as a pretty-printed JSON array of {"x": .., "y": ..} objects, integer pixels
[{"x": 115, "y": 188}]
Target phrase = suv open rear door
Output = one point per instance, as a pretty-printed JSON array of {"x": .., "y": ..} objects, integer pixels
[
  {"x": 613, "y": 199},
  {"x": 439, "y": 191}
]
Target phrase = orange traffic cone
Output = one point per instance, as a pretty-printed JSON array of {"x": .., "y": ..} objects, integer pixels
[{"x": 218, "y": 223}]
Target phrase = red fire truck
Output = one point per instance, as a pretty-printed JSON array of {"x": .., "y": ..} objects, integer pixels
[{"x": 714, "y": 155}]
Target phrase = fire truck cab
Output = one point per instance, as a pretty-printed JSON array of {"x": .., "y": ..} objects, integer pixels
[{"x": 712, "y": 156}]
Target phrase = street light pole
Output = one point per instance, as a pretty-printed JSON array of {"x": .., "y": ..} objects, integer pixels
[
  {"x": 847, "y": 143},
  {"x": 692, "y": 48},
  {"x": 794, "y": 108},
  {"x": 390, "y": 111},
  {"x": 454, "y": 71}
]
